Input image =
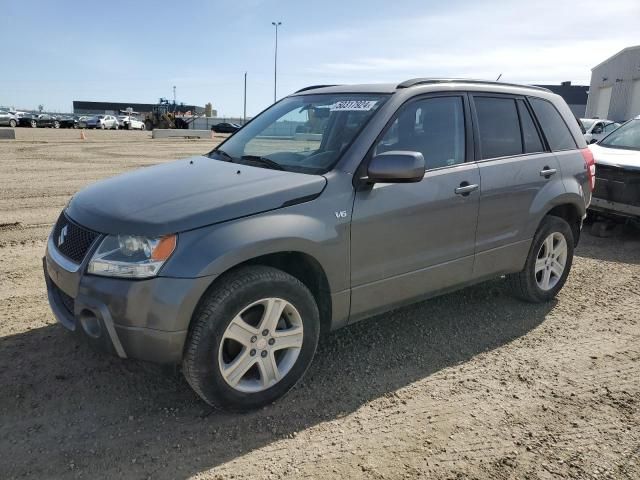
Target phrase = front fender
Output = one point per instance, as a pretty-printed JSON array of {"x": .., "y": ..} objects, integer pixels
[{"x": 215, "y": 249}]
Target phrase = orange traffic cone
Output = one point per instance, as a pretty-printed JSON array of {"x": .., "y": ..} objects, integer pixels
[{"x": 82, "y": 136}]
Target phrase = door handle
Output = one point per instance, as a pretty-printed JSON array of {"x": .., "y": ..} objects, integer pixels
[
  {"x": 546, "y": 172},
  {"x": 465, "y": 188}
]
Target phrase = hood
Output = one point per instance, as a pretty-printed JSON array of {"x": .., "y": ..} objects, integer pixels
[
  {"x": 187, "y": 194},
  {"x": 616, "y": 157}
]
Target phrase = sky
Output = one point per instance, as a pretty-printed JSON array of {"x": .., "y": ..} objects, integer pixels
[{"x": 54, "y": 52}]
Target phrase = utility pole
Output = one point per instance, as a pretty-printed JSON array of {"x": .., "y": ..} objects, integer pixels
[
  {"x": 174, "y": 94},
  {"x": 275, "y": 63},
  {"x": 244, "y": 116}
]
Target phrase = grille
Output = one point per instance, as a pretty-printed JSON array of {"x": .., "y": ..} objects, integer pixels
[
  {"x": 617, "y": 185},
  {"x": 77, "y": 240},
  {"x": 65, "y": 299}
]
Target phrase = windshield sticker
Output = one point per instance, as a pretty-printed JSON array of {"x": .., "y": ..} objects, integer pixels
[{"x": 353, "y": 105}]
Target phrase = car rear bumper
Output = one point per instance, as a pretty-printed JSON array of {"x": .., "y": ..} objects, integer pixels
[{"x": 142, "y": 319}]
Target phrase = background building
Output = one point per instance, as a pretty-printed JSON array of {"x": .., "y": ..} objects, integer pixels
[
  {"x": 114, "y": 108},
  {"x": 614, "y": 92},
  {"x": 574, "y": 95}
]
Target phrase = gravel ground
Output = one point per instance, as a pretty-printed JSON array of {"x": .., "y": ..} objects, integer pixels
[{"x": 473, "y": 384}]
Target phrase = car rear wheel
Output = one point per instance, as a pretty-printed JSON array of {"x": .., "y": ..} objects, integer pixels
[
  {"x": 103, "y": 126},
  {"x": 34, "y": 124},
  {"x": 56, "y": 124},
  {"x": 12, "y": 123},
  {"x": 252, "y": 338},
  {"x": 548, "y": 264},
  {"x": 143, "y": 127}
]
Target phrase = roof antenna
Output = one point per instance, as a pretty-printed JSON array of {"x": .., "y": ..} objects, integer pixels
[{"x": 497, "y": 79}]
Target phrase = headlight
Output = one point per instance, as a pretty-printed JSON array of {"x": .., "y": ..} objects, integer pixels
[{"x": 131, "y": 256}]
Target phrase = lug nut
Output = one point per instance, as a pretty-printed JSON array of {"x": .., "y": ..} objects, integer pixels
[
  {"x": 265, "y": 332},
  {"x": 272, "y": 341},
  {"x": 263, "y": 354},
  {"x": 252, "y": 352},
  {"x": 254, "y": 339}
]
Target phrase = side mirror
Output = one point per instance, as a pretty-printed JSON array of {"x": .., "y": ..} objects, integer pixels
[
  {"x": 593, "y": 140},
  {"x": 396, "y": 167}
]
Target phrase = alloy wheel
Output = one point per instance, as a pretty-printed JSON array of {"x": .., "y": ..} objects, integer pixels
[
  {"x": 260, "y": 345},
  {"x": 551, "y": 261}
]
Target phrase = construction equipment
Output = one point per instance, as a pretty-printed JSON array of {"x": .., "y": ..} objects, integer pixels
[{"x": 168, "y": 115}]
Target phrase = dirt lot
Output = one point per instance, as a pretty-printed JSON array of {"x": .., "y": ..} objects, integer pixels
[{"x": 471, "y": 385}]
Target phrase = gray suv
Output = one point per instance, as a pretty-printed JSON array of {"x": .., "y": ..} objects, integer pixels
[{"x": 335, "y": 204}]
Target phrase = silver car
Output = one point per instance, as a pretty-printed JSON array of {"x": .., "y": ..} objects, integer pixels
[
  {"x": 8, "y": 119},
  {"x": 103, "y": 122}
]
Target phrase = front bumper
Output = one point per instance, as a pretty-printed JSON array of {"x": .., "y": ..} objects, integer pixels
[
  {"x": 607, "y": 206},
  {"x": 142, "y": 319}
]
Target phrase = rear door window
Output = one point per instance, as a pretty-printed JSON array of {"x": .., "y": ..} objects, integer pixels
[
  {"x": 553, "y": 126},
  {"x": 530, "y": 137},
  {"x": 499, "y": 127}
]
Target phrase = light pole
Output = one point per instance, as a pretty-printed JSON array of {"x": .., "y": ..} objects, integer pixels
[
  {"x": 244, "y": 116},
  {"x": 174, "y": 94},
  {"x": 275, "y": 62}
]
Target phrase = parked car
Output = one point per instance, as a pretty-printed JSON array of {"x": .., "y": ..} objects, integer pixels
[
  {"x": 233, "y": 263},
  {"x": 617, "y": 158},
  {"x": 82, "y": 121},
  {"x": 34, "y": 120},
  {"x": 226, "y": 127},
  {"x": 130, "y": 123},
  {"x": 8, "y": 119},
  {"x": 596, "y": 129},
  {"x": 68, "y": 122},
  {"x": 103, "y": 122}
]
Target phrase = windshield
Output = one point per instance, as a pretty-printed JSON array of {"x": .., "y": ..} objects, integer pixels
[
  {"x": 304, "y": 134},
  {"x": 587, "y": 122},
  {"x": 626, "y": 137}
]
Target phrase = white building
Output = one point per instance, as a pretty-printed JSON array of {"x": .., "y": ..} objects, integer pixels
[{"x": 614, "y": 92}]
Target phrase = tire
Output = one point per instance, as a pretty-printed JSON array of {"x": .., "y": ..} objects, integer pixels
[
  {"x": 56, "y": 124},
  {"x": 243, "y": 293},
  {"x": 529, "y": 284},
  {"x": 143, "y": 127},
  {"x": 34, "y": 124},
  {"x": 75, "y": 126},
  {"x": 103, "y": 126},
  {"x": 12, "y": 123}
]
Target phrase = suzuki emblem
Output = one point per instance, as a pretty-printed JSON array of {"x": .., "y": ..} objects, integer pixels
[{"x": 63, "y": 234}]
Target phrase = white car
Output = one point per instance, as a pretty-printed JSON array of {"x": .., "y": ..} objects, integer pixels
[
  {"x": 617, "y": 157},
  {"x": 130, "y": 123},
  {"x": 596, "y": 129}
]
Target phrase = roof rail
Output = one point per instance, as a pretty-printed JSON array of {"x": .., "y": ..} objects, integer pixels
[
  {"x": 426, "y": 81},
  {"x": 312, "y": 87}
]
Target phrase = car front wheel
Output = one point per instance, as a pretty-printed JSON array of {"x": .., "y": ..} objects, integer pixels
[
  {"x": 12, "y": 123},
  {"x": 548, "y": 264},
  {"x": 252, "y": 338}
]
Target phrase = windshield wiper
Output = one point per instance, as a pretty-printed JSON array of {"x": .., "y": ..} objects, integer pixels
[
  {"x": 264, "y": 161},
  {"x": 224, "y": 155}
]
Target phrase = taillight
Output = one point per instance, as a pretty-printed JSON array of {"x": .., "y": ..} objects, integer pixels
[{"x": 590, "y": 164}]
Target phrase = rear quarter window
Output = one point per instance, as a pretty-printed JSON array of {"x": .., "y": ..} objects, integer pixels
[{"x": 553, "y": 126}]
